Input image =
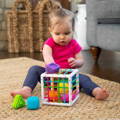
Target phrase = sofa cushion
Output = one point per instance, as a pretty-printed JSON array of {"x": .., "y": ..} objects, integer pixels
[
  {"x": 107, "y": 8},
  {"x": 108, "y": 36}
]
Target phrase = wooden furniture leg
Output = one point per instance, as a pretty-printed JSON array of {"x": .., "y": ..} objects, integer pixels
[{"x": 95, "y": 52}]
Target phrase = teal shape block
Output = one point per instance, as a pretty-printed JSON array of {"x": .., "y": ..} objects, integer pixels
[{"x": 33, "y": 103}]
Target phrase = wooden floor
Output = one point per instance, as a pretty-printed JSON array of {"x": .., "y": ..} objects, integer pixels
[{"x": 108, "y": 66}]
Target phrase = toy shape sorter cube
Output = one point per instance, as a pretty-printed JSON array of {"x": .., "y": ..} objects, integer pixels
[{"x": 60, "y": 88}]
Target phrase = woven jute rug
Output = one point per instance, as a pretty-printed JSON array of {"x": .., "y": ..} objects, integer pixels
[{"x": 12, "y": 74}]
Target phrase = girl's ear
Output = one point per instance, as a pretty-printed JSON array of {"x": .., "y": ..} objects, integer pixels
[{"x": 50, "y": 30}]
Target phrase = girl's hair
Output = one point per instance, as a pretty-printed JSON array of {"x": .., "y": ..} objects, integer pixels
[
  {"x": 55, "y": 4},
  {"x": 56, "y": 15}
]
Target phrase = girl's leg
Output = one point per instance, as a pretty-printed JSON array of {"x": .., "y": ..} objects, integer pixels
[
  {"x": 86, "y": 84},
  {"x": 91, "y": 88},
  {"x": 32, "y": 78}
]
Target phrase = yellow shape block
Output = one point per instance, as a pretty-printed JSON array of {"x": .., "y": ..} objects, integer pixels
[{"x": 63, "y": 88}]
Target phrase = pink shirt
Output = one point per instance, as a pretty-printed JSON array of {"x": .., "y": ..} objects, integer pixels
[{"x": 61, "y": 54}]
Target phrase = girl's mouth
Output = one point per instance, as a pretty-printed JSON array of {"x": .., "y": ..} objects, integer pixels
[{"x": 63, "y": 42}]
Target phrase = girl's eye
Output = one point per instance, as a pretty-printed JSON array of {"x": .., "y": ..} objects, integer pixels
[
  {"x": 67, "y": 33},
  {"x": 57, "y": 33}
]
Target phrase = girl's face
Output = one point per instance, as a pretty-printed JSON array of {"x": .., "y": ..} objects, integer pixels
[{"x": 62, "y": 33}]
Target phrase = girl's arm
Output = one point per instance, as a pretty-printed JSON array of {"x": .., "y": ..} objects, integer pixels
[
  {"x": 47, "y": 55},
  {"x": 78, "y": 61}
]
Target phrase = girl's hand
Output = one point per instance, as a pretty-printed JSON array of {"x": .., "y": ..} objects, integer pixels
[{"x": 75, "y": 62}]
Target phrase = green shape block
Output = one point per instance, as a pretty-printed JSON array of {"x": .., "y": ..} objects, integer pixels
[{"x": 18, "y": 102}]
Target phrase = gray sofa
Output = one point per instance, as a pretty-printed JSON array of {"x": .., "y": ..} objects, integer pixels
[{"x": 103, "y": 25}]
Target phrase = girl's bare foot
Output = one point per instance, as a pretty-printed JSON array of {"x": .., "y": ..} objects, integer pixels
[
  {"x": 100, "y": 93},
  {"x": 25, "y": 92}
]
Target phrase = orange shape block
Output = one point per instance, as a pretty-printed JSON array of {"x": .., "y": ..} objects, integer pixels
[{"x": 52, "y": 95}]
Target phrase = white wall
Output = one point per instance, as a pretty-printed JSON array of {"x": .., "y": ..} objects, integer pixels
[{"x": 80, "y": 26}]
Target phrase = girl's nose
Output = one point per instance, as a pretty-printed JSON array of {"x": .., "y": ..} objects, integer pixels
[{"x": 62, "y": 36}]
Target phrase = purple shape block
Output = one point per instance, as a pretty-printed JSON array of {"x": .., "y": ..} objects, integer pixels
[{"x": 52, "y": 68}]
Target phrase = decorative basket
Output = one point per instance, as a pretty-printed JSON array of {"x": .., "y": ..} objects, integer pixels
[
  {"x": 28, "y": 27},
  {"x": 19, "y": 21}
]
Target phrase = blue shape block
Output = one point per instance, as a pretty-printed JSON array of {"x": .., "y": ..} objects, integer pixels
[{"x": 33, "y": 103}]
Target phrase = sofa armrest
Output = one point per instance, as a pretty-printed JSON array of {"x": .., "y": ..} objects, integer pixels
[{"x": 108, "y": 20}]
